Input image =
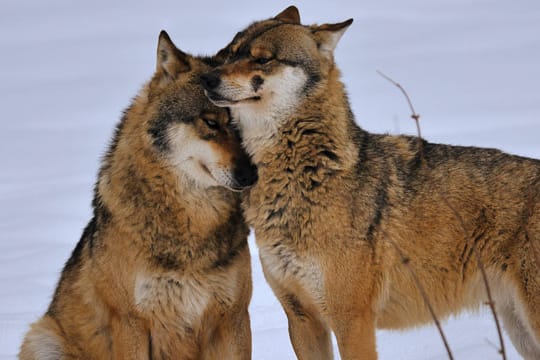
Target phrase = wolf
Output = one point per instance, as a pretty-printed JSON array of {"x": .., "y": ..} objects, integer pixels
[
  {"x": 332, "y": 200},
  {"x": 162, "y": 271}
]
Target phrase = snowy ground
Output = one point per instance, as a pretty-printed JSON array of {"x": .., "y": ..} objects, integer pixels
[{"x": 67, "y": 69}]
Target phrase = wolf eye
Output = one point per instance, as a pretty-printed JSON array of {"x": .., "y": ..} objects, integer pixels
[
  {"x": 211, "y": 124},
  {"x": 262, "y": 60}
]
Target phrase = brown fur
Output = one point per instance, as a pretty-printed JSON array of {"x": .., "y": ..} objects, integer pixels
[
  {"x": 330, "y": 195},
  {"x": 163, "y": 269}
]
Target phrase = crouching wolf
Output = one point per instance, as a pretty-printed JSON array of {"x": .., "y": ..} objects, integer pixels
[
  {"x": 162, "y": 270},
  {"x": 331, "y": 197}
]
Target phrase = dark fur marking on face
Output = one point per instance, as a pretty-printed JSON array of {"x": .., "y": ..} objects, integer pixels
[
  {"x": 289, "y": 62},
  {"x": 181, "y": 103},
  {"x": 161, "y": 124},
  {"x": 256, "y": 82},
  {"x": 158, "y": 131}
]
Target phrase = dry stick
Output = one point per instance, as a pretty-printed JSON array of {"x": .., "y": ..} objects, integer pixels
[
  {"x": 406, "y": 261},
  {"x": 490, "y": 302},
  {"x": 414, "y": 115}
]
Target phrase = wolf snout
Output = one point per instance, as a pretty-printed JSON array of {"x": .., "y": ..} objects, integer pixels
[
  {"x": 245, "y": 175},
  {"x": 211, "y": 80}
]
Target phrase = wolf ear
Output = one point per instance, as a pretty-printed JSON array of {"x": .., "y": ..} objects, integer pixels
[
  {"x": 289, "y": 15},
  {"x": 170, "y": 60},
  {"x": 328, "y": 35}
]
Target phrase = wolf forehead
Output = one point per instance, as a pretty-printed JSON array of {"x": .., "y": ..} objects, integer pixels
[
  {"x": 183, "y": 103},
  {"x": 260, "y": 33}
]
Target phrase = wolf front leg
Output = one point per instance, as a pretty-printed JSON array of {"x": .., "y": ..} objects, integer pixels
[
  {"x": 355, "y": 334},
  {"x": 309, "y": 335}
]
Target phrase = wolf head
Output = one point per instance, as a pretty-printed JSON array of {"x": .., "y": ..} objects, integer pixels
[
  {"x": 270, "y": 67},
  {"x": 194, "y": 137}
]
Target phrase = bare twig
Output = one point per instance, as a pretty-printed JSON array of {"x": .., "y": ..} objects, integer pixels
[
  {"x": 415, "y": 116},
  {"x": 406, "y": 261},
  {"x": 458, "y": 216}
]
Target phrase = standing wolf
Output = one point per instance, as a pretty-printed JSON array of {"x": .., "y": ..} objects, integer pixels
[
  {"x": 162, "y": 270},
  {"x": 330, "y": 196}
]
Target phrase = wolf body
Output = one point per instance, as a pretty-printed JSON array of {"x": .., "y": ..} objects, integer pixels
[
  {"x": 162, "y": 271},
  {"x": 333, "y": 202}
]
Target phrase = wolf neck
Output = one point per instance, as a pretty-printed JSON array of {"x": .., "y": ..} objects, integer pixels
[{"x": 317, "y": 129}]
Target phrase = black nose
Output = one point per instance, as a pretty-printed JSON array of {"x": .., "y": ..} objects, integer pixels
[
  {"x": 246, "y": 174},
  {"x": 210, "y": 80}
]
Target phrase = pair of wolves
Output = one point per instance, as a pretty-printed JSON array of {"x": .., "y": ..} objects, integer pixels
[{"x": 332, "y": 201}]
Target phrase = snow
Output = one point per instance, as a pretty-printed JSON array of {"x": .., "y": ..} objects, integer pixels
[{"x": 67, "y": 70}]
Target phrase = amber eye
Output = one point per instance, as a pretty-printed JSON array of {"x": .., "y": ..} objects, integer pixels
[
  {"x": 262, "y": 60},
  {"x": 212, "y": 124}
]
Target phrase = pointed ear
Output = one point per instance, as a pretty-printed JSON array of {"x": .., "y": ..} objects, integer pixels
[
  {"x": 289, "y": 15},
  {"x": 170, "y": 60},
  {"x": 328, "y": 35}
]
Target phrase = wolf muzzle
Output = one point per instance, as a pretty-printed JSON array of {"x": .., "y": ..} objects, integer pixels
[
  {"x": 210, "y": 81},
  {"x": 245, "y": 175}
]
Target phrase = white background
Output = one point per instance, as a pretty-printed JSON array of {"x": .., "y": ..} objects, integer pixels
[{"x": 68, "y": 69}]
